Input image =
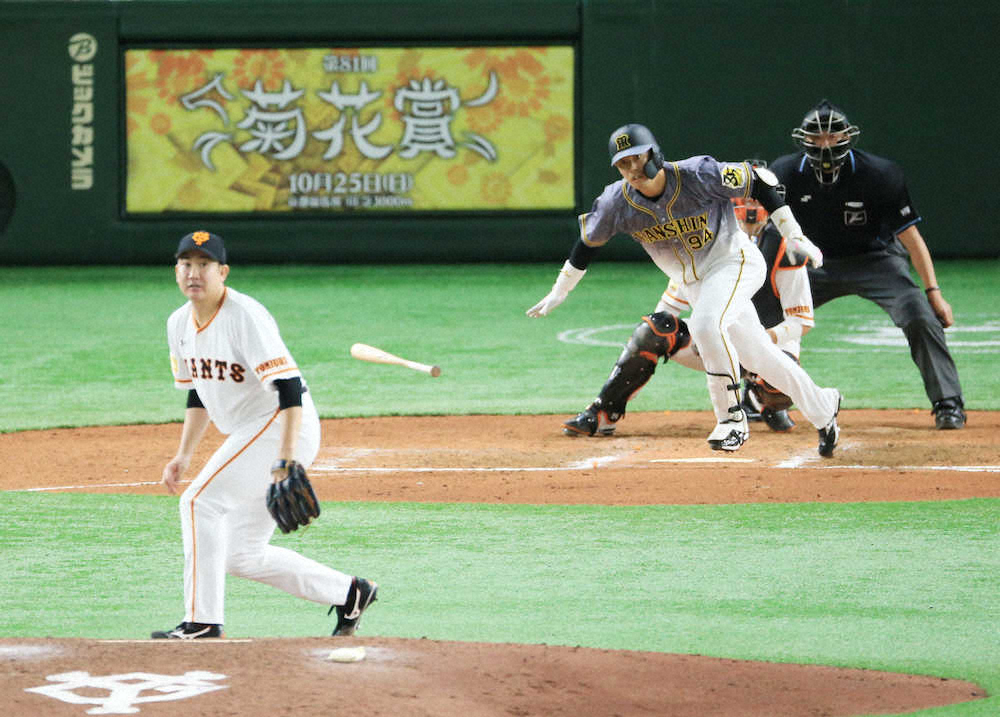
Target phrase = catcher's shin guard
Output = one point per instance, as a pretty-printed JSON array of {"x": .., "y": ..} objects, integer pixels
[{"x": 660, "y": 334}]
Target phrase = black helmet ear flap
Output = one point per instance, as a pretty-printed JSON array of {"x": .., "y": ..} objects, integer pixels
[{"x": 655, "y": 162}]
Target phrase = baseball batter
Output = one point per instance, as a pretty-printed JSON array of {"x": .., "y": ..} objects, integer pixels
[
  {"x": 227, "y": 354},
  {"x": 680, "y": 213},
  {"x": 783, "y": 304},
  {"x": 857, "y": 207}
]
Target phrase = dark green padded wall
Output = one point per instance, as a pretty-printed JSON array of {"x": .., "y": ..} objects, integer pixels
[{"x": 718, "y": 77}]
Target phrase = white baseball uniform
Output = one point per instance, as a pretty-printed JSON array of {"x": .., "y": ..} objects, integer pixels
[
  {"x": 691, "y": 233},
  {"x": 784, "y": 300},
  {"x": 232, "y": 362}
]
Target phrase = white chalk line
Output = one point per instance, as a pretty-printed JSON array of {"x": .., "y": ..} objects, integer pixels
[
  {"x": 958, "y": 469},
  {"x": 795, "y": 462},
  {"x": 210, "y": 641},
  {"x": 708, "y": 459},
  {"x": 92, "y": 485}
]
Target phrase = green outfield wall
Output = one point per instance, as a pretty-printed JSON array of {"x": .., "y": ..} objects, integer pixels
[{"x": 713, "y": 77}]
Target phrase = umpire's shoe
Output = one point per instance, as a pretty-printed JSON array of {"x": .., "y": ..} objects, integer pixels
[
  {"x": 592, "y": 421},
  {"x": 360, "y": 595},
  {"x": 829, "y": 436},
  {"x": 778, "y": 421},
  {"x": 189, "y": 631},
  {"x": 949, "y": 413}
]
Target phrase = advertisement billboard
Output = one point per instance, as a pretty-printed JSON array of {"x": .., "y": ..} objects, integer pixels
[{"x": 326, "y": 130}]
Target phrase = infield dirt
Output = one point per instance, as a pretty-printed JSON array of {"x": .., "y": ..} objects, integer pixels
[{"x": 655, "y": 458}]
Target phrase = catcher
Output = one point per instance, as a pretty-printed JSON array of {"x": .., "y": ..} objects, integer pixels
[
  {"x": 785, "y": 308},
  {"x": 227, "y": 354}
]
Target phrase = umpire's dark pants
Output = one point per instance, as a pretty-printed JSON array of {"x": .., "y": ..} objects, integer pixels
[{"x": 884, "y": 277}]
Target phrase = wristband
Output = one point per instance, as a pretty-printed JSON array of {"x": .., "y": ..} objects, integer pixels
[
  {"x": 932, "y": 288},
  {"x": 569, "y": 277}
]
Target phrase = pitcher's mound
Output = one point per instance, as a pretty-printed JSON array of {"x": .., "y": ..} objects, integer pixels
[{"x": 400, "y": 677}]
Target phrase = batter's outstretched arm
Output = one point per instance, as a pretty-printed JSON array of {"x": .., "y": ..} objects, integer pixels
[
  {"x": 764, "y": 190},
  {"x": 196, "y": 420},
  {"x": 569, "y": 276}
]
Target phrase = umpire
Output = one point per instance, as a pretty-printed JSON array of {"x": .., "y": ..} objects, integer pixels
[{"x": 855, "y": 206}]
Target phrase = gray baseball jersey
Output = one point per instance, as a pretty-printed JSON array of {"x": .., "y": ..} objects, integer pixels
[{"x": 687, "y": 227}]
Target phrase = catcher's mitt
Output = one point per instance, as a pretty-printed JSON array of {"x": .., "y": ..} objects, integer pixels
[
  {"x": 767, "y": 395},
  {"x": 291, "y": 500}
]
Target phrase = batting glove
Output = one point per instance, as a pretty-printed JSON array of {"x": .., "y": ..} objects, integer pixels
[
  {"x": 801, "y": 246},
  {"x": 569, "y": 277}
]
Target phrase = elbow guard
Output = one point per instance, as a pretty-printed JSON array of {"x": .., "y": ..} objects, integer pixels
[{"x": 765, "y": 189}]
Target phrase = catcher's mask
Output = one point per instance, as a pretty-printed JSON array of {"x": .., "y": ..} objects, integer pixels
[
  {"x": 826, "y": 137},
  {"x": 635, "y": 139}
]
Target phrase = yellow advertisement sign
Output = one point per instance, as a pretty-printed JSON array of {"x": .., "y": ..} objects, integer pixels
[{"x": 368, "y": 129}]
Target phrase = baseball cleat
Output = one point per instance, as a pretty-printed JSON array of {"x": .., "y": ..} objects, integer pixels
[
  {"x": 360, "y": 595},
  {"x": 189, "y": 631},
  {"x": 949, "y": 414},
  {"x": 778, "y": 421},
  {"x": 729, "y": 435},
  {"x": 829, "y": 435},
  {"x": 588, "y": 423}
]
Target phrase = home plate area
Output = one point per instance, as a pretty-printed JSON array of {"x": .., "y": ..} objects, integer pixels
[{"x": 654, "y": 458}]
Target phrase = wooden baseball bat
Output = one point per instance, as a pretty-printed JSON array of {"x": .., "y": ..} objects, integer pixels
[{"x": 364, "y": 352}]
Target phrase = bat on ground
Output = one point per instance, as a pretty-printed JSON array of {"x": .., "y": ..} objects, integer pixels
[{"x": 364, "y": 352}]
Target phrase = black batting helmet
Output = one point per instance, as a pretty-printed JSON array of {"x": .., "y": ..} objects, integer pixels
[
  {"x": 635, "y": 139},
  {"x": 826, "y": 137}
]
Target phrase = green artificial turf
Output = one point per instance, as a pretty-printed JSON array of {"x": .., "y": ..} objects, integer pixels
[
  {"x": 86, "y": 345},
  {"x": 907, "y": 587}
]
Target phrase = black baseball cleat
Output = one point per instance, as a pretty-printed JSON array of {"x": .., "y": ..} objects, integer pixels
[
  {"x": 949, "y": 413},
  {"x": 591, "y": 421},
  {"x": 189, "y": 631},
  {"x": 778, "y": 421},
  {"x": 359, "y": 597},
  {"x": 829, "y": 436}
]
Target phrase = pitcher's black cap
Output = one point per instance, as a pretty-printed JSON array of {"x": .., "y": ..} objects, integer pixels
[{"x": 205, "y": 242}]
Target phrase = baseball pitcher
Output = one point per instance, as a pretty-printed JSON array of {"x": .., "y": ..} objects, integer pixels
[{"x": 228, "y": 356}]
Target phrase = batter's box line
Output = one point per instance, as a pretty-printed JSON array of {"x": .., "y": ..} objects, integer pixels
[
  {"x": 955, "y": 469},
  {"x": 214, "y": 641}
]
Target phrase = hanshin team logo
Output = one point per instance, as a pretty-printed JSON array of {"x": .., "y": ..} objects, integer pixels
[
  {"x": 623, "y": 141},
  {"x": 733, "y": 176}
]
